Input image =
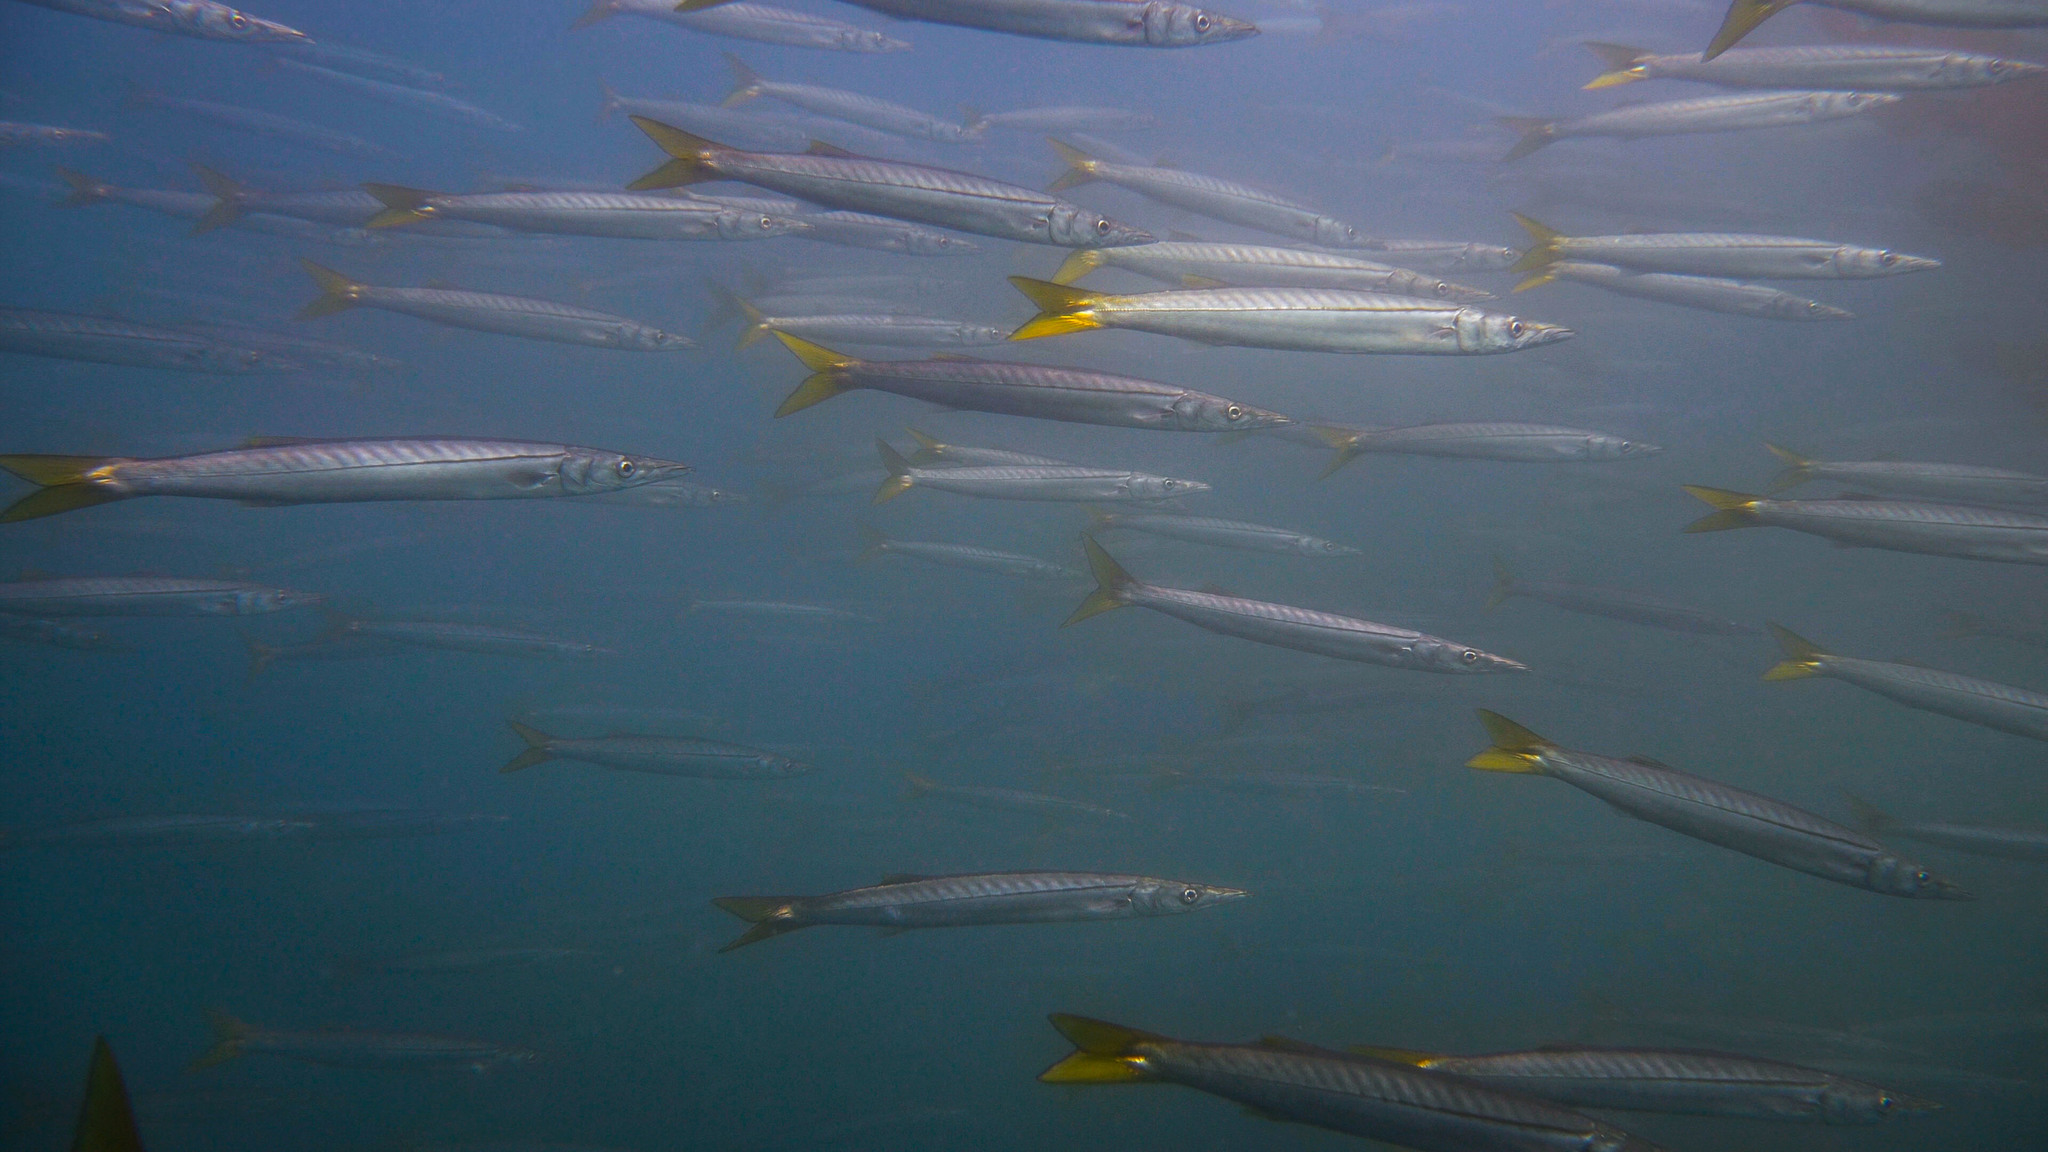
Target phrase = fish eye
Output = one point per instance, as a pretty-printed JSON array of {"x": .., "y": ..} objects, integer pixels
[
  {"x": 1888, "y": 257},
  {"x": 1101, "y": 227},
  {"x": 627, "y": 467},
  {"x": 767, "y": 222},
  {"x": 1627, "y": 446},
  {"x": 1443, "y": 289},
  {"x": 1201, "y": 22},
  {"x": 1469, "y": 656},
  {"x": 1329, "y": 546},
  {"x": 1921, "y": 877},
  {"x": 1516, "y": 327},
  {"x": 1884, "y": 1103},
  {"x": 1233, "y": 412},
  {"x": 1170, "y": 485},
  {"x": 1189, "y": 895},
  {"x": 1813, "y": 305},
  {"x": 238, "y": 20}
]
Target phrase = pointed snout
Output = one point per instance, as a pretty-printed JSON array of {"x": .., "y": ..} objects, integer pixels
[
  {"x": 1915, "y": 264},
  {"x": 1540, "y": 334},
  {"x": 1223, "y": 895},
  {"x": 1944, "y": 890},
  {"x": 1231, "y": 28}
]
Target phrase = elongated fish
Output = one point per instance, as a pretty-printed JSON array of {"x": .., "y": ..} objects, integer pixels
[
  {"x": 1187, "y": 263},
  {"x": 353, "y": 1048},
  {"x": 91, "y": 596},
  {"x": 165, "y": 831},
  {"x": 349, "y": 58},
  {"x": 1737, "y": 113},
  {"x": 199, "y": 206},
  {"x": 852, "y": 107},
  {"x": 1687, "y": 1082},
  {"x": 778, "y": 610},
  {"x": 1010, "y": 800},
  {"x": 14, "y": 134},
  {"x": 1720, "y": 814},
  {"x": 892, "y": 330},
  {"x": 903, "y": 902},
  {"x": 2001, "y": 706},
  {"x": 1129, "y": 23},
  {"x": 1070, "y": 118},
  {"x": 424, "y": 99},
  {"x": 264, "y": 123},
  {"x": 466, "y": 636},
  {"x": 204, "y": 19},
  {"x": 104, "y": 340},
  {"x": 861, "y": 230},
  {"x": 1072, "y": 395},
  {"x": 751, "y": 127},
  {"x": 661, "y": 755},
  {"x": 342, "y": 208},
  {"x": 971, "y": 556},
  {"x": 29, "y": 630},
  {"x": 760, "y": 22},
  {"x": 489, "y": 312},
  {"x": 932, "y": 452},
  {"x": 914, "y": 192},
  {"x": 1718, "y": 254},
  {"x": 1447, "y": 255},
  {"x": 1744, "y": 15},
  {"x": 1209, "y": 196},
  {"x": 1967, "y": 483},
  {"x": 1707, "y": 293},
  {"x": 1958, "y": 530},
  {"x": 1382, "y": 1100},
  {"x": 1056, "y": 482},
  {"x": 1293, "y": 319},
  {"x": 1482, "y": 440},
  {"x": 1839, "y": 67},
  {"x": 1283, "y": 625},
  {"x": 1977, "y": 839},
  {"x": 1613, "y": 603},
  {"x": 1238, "y": 534},
  {"x": 335, "y": 471},
  {"x": 615, "y": 215}
]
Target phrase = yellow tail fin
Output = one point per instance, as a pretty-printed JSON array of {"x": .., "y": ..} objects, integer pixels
[
  {"x": 899, "y": 473},
  {"x": 338, "y": 293},
  {"x": 1079, "y": 263},
  {"x": 1798, "y": 469},
  {"x": 402, "y": 205},
  {"x": 873, "y": 542},
  {"x": 1743, "y": 16},
  {"x": 66, "y": 485},
  {"x": 825, "y": 380},
  {"x": 1110, "y": 579},
  {"x": 601, "y": 10},
  {"x": 1344, "y": 441},
  {"x": 1103, "y": 1052},
  {"x": 929, "y": 449},
  {"x": 1080, "y": 166},
  {"x": 539, "y": 748},
  {"x": 746, "y": 83},
  {"x": 1515, "y": 748},
  {"x": 1061, "y": 309},
  {"x": 1732, "y": 509},
  {"x": 1803, "y": 657},
  {"x": 756, "y": 325},
  {"x": 106, "y": 1121},
  {"x": 1536, "y": 279},
  {"x": 84, "y": 189},
  {"x": 1536, "y": 132},
  {"x": 1503, "y": 585},
  {"x": 229, "y": 1034},
  {"x": 227, "y": 196},
  {"x": 1544, "y": 248},
  {"x": 769, "y": 915},
  {"x": 691, "y": 156},
  {"x": 1621, "y": 61}
]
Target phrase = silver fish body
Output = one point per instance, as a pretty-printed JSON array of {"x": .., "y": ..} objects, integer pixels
[
  {"x": 1741, "y": 112},
  {"x": 145, "y": 596},
  {"x": 204, "y": 19},
  {"x": 1497, "y": 440},
  {"x": 1964, "y": 483},
  {"x": 1956, "y": 530},
  {"x": 861, "y": 230},
  {"x": 1014, "y": 800},
  {"x": 2003, "y": 707},
  {"x": 1446, "y": 255},
  {"x": 852, "y": 107},
  {"x": 100, "y": 340},
  {"x": 1130, "y": 23},
  {"x": 14, "y": 134},
  {"x": 1707, "y": 293},
  {"x": 1238, "y": 534},
  {"x": 1264, "y": 266},
  {"x": 29, "y": 630},
  {"x": 1616, "y": 604},
  {"x": 614, "y": 215},
  {"x": 1737, "y": 255},
  {"x": 350, "y": 1048},
  {"x": 895, "y": 330},
  {"x": 424, "y": 99},
  {"x": 2030, "y": 844},
  {"x": 492, "y": 312},
  {"x": 157, "y": 831},
  {"x": 462, "y": 636},
  {"x": 1071, "y": 118},
  {"x": 1073, "y": 483},
  {"x": 267, "y": 124},
  {"x": 972, "y": 557},
  {"x": 1213, "y": 197},
  {"x": 762, "y": 23},
  {"x": 664, "y": 756},
  {"x": 1838, "y": 67}
]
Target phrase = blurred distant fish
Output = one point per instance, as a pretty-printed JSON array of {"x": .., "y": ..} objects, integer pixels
[
  {"x": 1840, "y": 67},
  {"x": 746, "y": 21},
  {"x": 1289, "y": 319},
  {"x": 853, "y": 107},
  {"x": 1963, "y": 531},
  {"x": 1074, "y": 395},
  {"x": 747, "y": 125},
  {"x": 29, "y": 630},
  {"x": 163, "y": 831},
  {"x": 2003, "y": 707},
  {"x": 1720, "y": 814},
  {"x": 465, "y": 636},
  {"x": 1743, "y": 112},
  {"x": 395, "y": 823},
  {"x": 343, "y": 208},
  {"x": 900, "y": 903},
  {"x": 327, "y": 647},
  {"x": 14, "y": 134},
  {"x": 1447, "y": 255},
  {"x": 893, "y": 330},
  {"x": 1011, "y": 800},
  {"x": 352, "y": 1048},
  {"x": 661, "y": 755},
  {"x": 777, "y": 610},
  {"x": 490, "y": 312},
  {"x": 861, "y": 230},
  {"x": 931, "y": 451},
  {"x": 2029, "y": 844},
  {"x": 1307, "y": 701},
  {"x": 672, "y": 494},
  {"x": 1718, "y": 254},
  {"x": 1152, "y": 24},
  {"x": 1070, "y": 118},
  {"x": 1283, "y": 625},
  {"x": 1196, "y": 264},
  {"x": 263, "y": 123},
  {"x": 970, "y": 556},
  {"x": 1962, "y": 482},
  {"x": 1613, "y": 603},
  {"x": 205, "y": 19},
  {"x": 1489, "y": 440},
  {"x": 1057, "y": 482},
  {"x": 352, "y": 59},
  {"x": 1210, "y": 196},
  {"x": 301, "y": 350},
  {"x": 422, "y": 99},
  {"x": 1238, "y": 534},
  {"x": 613, "y": 215},
  {"x": 199, "y": 206},
  {"x": 103, "y": 340},
  {"x": 1264, "y": 781},
  {"x": 104, "y": 596},
  {"x": 1708, "y": 293},
  {"x": 827, "y": 176},
  {"x": 1744, "y": 15}
]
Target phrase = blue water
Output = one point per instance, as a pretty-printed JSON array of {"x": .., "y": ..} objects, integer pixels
[{"x": 1463, "y": 912}]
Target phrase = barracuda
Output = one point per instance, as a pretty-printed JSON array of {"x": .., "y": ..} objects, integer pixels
[
  {"x": 1238, "y": 534},
  {"x": 970, "y": 556},
  {"x": 614, "y": 215},
  {"x": 1840, "y": 67},
  {"x": 1744, "y": 112},
  {"x": 1210, "y": 196},
  {"x": 1744, "y": 15},
  {"x": 2000, "y": 706},
  {"x": 1056, "y": 482},
  {"x": 1718, "y": 254},
  {"x": 1490, "y": 440},
  {"x": 101, "y": 340},
  {"x": 1707, "y": 293},
  {"x": 489, "y": 312},
  {"x": 1132, "y": 23},
  {"x": 145, "y": 596},
  {"x": 660, "y": 755},
  {"x": 852, "y": 107},
  {"x": 759, "y": 22},
  {"x": 1194, "y": 263},
  {"x": 1964, "y": 482},
  {"x": 1900, "y": 526}
]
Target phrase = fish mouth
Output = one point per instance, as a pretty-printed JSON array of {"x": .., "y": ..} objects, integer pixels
[
  {"x": 2015, "y": 69},
  {"x": 1225, "y": 895},
  {"x": 1488, "y": 662},
  {"x": 1911, "y": 1106},
  {"x": 1916, "y": 264},
  {"x": 1641, "y": 449},
  {"x": 1125, "y": 236},
  {"x": 654, "y": 471},
  {"x": 1260, "y": 418},
  {"x": 1829, "y": 312},
  {"x": 1230, "y": 28},
  {"x": 1943, "y": 890},
  {"x": 1537, "y": 334}
]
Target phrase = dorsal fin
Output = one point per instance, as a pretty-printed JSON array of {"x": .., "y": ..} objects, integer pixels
[
  {"x": 820, "y": 148},
  {"x": 901, "y": 878},
  {"x": 1393, "y": 1055},
  {"x": 1214, "y": 589},
  {"x": 278, "y": 441},
  {"x": 1646, "y": 762},
  {"x": 1287, "y": 1044}
]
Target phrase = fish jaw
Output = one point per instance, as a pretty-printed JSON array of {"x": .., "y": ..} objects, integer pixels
[{"x": 1535, "y": 335}]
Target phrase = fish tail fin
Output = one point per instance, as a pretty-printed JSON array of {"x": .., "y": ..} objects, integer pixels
[
  {"x": 825, "y": 380},
  {"x": 1515, "y": 748},
  {"x": 1536, "y": 132},
  {"x": 873, "y": 543},
  {"x": 1343, "y": 441},
  {"x": 229, "y": 1034},
  {"x": 601, "y": 10},
  {"x": 920, "y": 786},
  {"x": 607, "y": 102},
  {"x": 338, "y": 293},
  {"x": 106, "y": 1120},
  {"x": 66, "y": 485},
  {"x": 899, "y": 473},
  {"x": 1099, "y": 1052},
  {"x": 1503, "y": 585},
  {"x": 690, "y": 156},
  {"x": 1731, "y": 509},
  {"x": 84, "y": 189},
  {"x": 539, "y": 747},
  {"x": 402, "y": 205},
  {"x": 1798, "y": 469},
  {"x": 1060, "y": 308},
  {"x": 973, "y": 121},
  {"x": 746, "y": 83},
  {"x": 756, "y": 325},
  {"x": 929, "y": 449},
  {"x": 1743, "y": 16},
  {"x": 1803, "y": 657},
  {"x": 1621, "y": 64},
  {"x": 1110, "y": 579},
  {"x": 1536, "y": 279},
  {"x": 770, "y": 916},
  {"x": 1080, "y": 166},
  {"x": 1543, "y": 250},
  {"x": 1100, "y": 518},
  {"x": 227, "y": 199},
  {"x": 261, "y": 656},
  {"x": 1869, "y": 817},
  {"x": 1079, "y": 263}
]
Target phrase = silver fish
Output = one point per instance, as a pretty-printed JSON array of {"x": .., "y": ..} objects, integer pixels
[
  {"x": 672, "y": 494},
  {"x": 14, "y": 134},
  {"x": 101, "y": 340},
  {"x": 933, "y": 452},
  {"x": 614, "y": 215},
  {"x": 747, "y": 127},
  {"x": 1744, "y": 15},
  {"x": 1613, "y": 603},
  {"x": 2003, "y": 707},
  {"x": 264, "y": 123},
  {"x": 891, "y": 330},
  {"x": 778, "y": 610},
  {"x": 1186, "y": 263},
  {"x": 335, "y": 471},
  {"x": 1749, "y": 110},
  {"x": 745, "y": 21},
  {"x": 661, "y": 755},
  {"x": 861, "y": 230},
  {"x": 164, "y": 831},
  {"x": 423, "y": 99},
  {"x": 489, "y": 312},
  {"x": 1482, "y": 440},
  {"x": 1070, "y": 117},
  {"x": 205, "y": 19},
  {"x": 351, "y": 1048},
  {"x": 29, "y": 630},
  {"x": 1447, "y": 255},
  {"x": 1962, "y": 531},
  {"x": 352, "y": 59},
  {"x": 301, "y": 350},
  {"x": 852, "y": 107},
  {"x": 1222, "y": 533},
  {"x": 202, "y": 206},
  {"x": 1283, "y": 625},
  {"x": 463, "y": 636},
  {"x": 145, "y": 596},
  {"x": 1720, "y": 814},
  {"x": 1708, "y": 293},
  {"x": 1966, "y": 483},
  {"x": 914, "y": 192},
  {"x": 342, "y": 208},
  {"x": 1073, "y": 395},
  {"x": 1131, "y": 23},
  {"x": 969, "y": 556},
  {"x": 1011, "y": 800},
  {"x": 1059, "y": 482},
  {"x": 1718, "y": 254},
  {"x": 1210, "y": 196},
  {"x": 2029, "y": 844},
  {"x": 1266, "y": 781},
  {"x": 905, "y": 902},
  {"x": 1840, "y": 67}
]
